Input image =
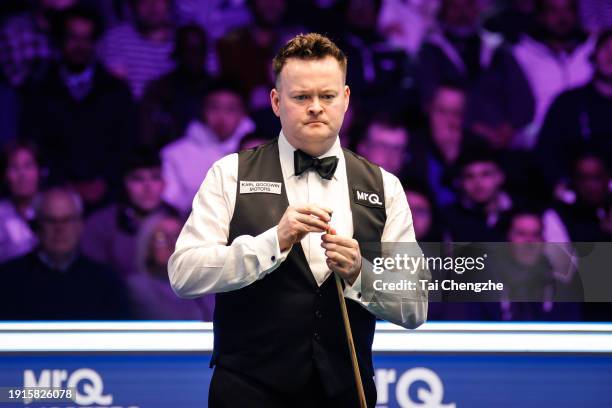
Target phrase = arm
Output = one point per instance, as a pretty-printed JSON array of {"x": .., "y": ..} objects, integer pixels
[
  {"x": 203, "y": 262},
  {"x": 407, "y": 309}
]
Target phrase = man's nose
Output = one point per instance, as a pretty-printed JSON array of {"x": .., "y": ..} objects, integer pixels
[{"x": 315, "y": 107}]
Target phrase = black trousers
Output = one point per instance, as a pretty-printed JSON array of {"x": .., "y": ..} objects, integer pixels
[{"x": 229, "y": 389}]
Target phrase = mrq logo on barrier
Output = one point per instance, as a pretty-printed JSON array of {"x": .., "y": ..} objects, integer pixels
[
  {"x": 431, "y": 395},
  {"x": 88, "y": 384}
]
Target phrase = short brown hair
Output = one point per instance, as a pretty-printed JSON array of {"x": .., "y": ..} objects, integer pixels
[{"x": 308, "y": 46}]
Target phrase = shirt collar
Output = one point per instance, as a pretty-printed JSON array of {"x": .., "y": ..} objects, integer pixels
[{"x": 285, "y": 150}]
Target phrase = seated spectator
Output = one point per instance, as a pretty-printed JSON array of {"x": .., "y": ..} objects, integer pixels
[
  {"x": 482, "y": 202},
  {"x": 217, "y": 133},
  {"x": 151, "y": 292},
  {"x": 498, "y": 99},
  {"x": 55, "y": 281},
  {"x": 445, "y": 139},
  {"x": 22, "y": 173},
  {"x": 583, "y": 213},
  {"x": 140, "y": 51},
  {"x": 425, "y": 216},
  {"x": 110, "y": 233},
  {"x": 530, "y": 287},
  {"x": 26, "y": 43},
  {"x": 385, "y": 142},
  {"x": 579, "y": 117},
  {"x": 80, "y": 115},
  {"x": 554, "y": 57},
  {"x": 172, "y": 101}
]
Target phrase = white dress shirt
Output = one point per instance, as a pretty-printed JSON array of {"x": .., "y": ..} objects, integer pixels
[
  {"x": 203, "y": 262},
  {"x": 186, "y": 160}
]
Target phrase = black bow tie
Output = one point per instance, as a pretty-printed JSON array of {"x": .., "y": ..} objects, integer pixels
[{"x": 326, "y": 167}]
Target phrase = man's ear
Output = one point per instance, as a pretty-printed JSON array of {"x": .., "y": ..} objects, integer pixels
[
  {"x": 274, "y": 101},
  {"x": 347, "y": 97}
]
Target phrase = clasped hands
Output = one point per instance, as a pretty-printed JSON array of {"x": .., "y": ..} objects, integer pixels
[{"x": 342, "y": 253}]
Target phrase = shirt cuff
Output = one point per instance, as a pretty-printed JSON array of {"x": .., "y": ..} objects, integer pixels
[
  {"x": 353, "y": 291},
  {"x": 268, "y": 250}
]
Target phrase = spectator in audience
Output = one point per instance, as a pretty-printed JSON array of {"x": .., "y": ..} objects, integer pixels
[
  {"x": 151, "y": 292},
  {"x": 497, "y": 94},
  {"x": 579, "y": 117},
  {"x": 530, "y": 287},
  {"x": 554, "y": 57},
  {"x": 255, "y": 43},
  {"x": 81, "y": 117},
  {"x": 26, "y": 45},
  {"x": 386, "y": 142},
  {"x": 425, "y": 216},
  {"x": 583, "y": 215},
  {"x": 478, "y": 213},
  {"x": 54, "y": 281},
  {"x": 140, "y": 51},
  {"x": 172, "y": 101},
  {"x": 218, "y": 131},
  {"x": 110, "y": 233},
  {"x": 22, "y": 174},
  {"x": 446, "y": 138}
]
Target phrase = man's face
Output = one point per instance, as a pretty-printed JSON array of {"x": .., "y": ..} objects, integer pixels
[
  {"x": 526, "y": 235},
  {"x": 310, "y": 99},
  {"x": 591, "y": 181},
  {"x": 446, "y": 116},
  {"x": 421, "y": 213},
  {"x": 60, "y": 225},
  {"x": 22, "y": 174},
  {"x": 558, "y": 18},
  {"x": 603, "y": 60},
  {"x": 481, "y": 182},
  {"x": 223, "y": 111},
  {"x": 385, "y": 146},
  {"x": 144, "y": 188},
  {"x": 153, "y": 14},
  {"x": 78, "y": 45}
]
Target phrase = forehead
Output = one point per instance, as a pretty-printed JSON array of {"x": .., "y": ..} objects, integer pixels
[
  {"x": 59, "y": 204},
  {"x": 379, "y": 131},
  {"x": 480, "y": 166},
  {"x": 311, "y": 73}
]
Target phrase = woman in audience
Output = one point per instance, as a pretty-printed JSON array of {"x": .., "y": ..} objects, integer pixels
[{"x": 152, "y": 295}]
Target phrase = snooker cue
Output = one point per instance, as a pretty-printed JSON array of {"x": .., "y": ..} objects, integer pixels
[{"x": 351, "y": 343}]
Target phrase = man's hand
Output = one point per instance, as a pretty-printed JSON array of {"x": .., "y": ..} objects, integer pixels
[
  {"x": 299, "y": 221},
  {"x": 343, "y": 255}
]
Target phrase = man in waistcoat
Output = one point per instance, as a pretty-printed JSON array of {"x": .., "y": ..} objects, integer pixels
[{"x": 269, "y": 228}]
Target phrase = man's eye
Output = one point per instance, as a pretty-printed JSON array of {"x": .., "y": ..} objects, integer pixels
[
  {"x": 300, "y": 97},
  {"x": 329, "y": 97}
]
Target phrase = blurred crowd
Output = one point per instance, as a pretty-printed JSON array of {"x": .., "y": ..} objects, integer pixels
[{"x": 496, "y": 116}]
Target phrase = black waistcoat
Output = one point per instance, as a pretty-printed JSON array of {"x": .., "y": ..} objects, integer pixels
[{"x": 280, "y": 328}]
